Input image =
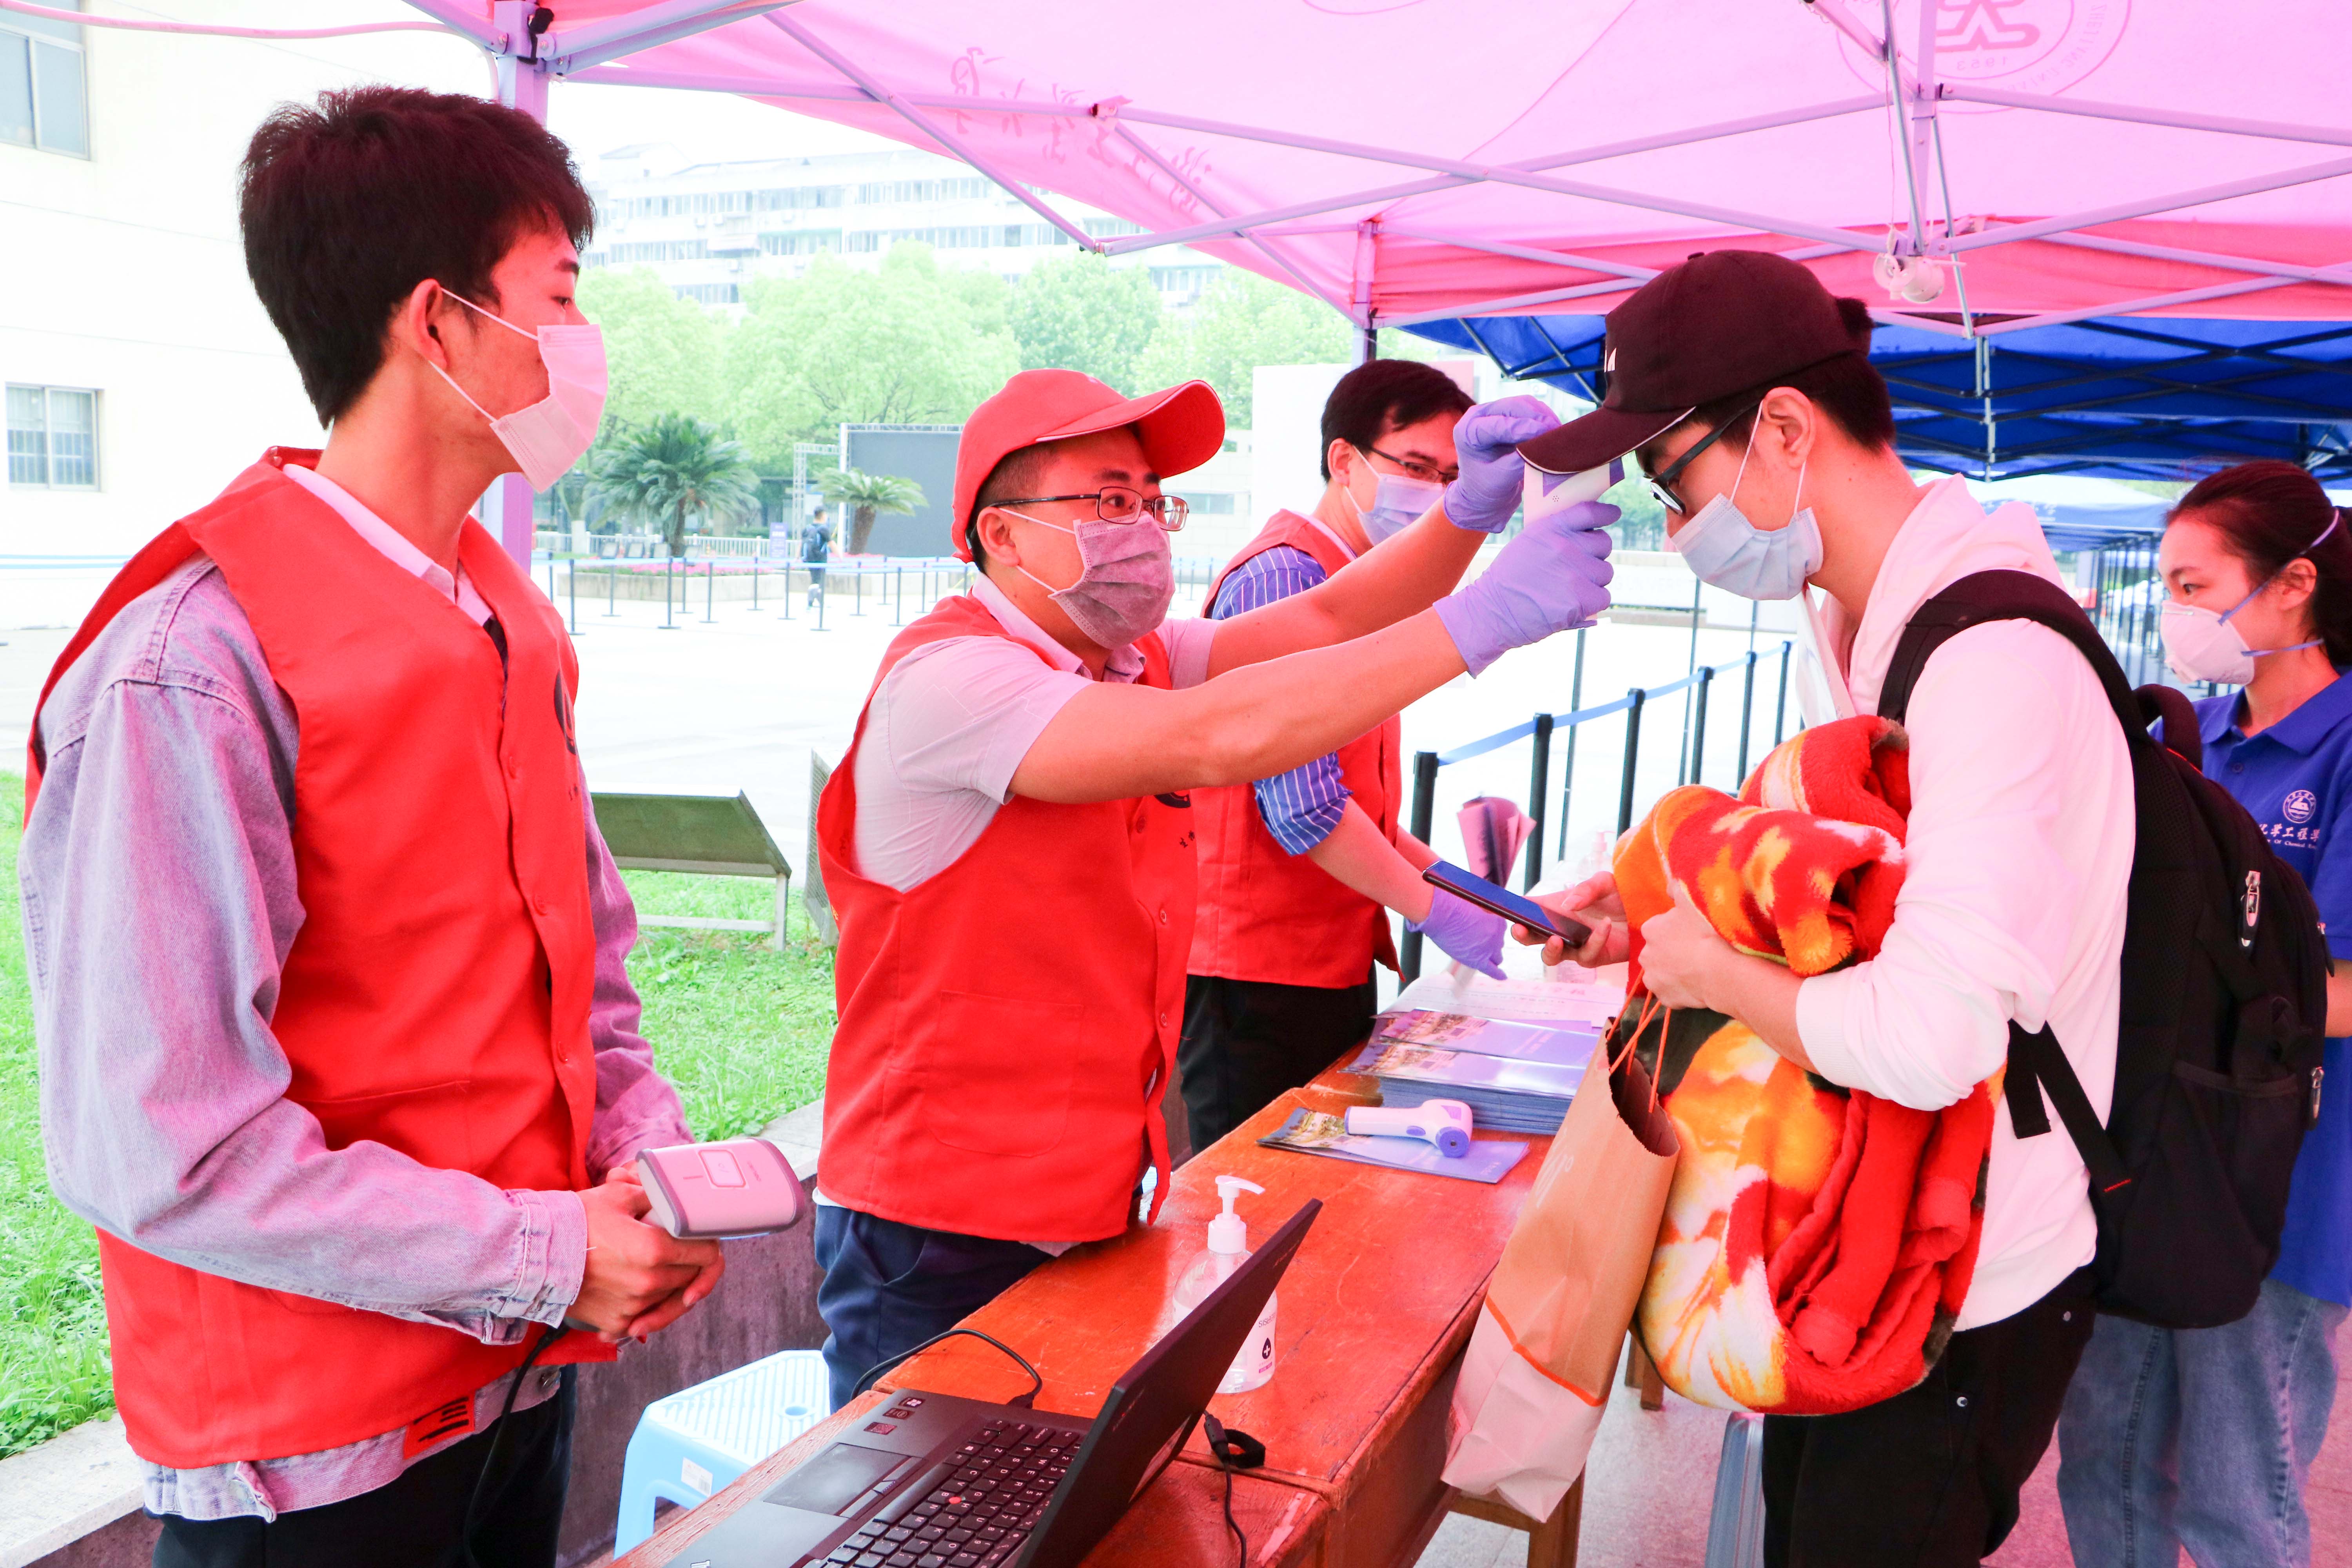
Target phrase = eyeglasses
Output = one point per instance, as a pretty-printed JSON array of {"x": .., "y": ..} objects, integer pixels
[
  {"x": 1662, "y": 487},
  {"x": 1116, "y": 504},
  {"x": 1414, "y": 469}
]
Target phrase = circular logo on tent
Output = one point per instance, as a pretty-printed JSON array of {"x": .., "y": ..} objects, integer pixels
[
  {"x": 2023, "y": 46},
  {"x": 2299, "y": 806}
]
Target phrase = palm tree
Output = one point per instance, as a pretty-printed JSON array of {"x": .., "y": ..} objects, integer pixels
[
  {"x": 867, "y": 496},
  {"x": 678, "y": 464}
]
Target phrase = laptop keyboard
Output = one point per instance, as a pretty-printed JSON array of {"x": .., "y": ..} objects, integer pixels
[{"x": 987, "y": 1500}]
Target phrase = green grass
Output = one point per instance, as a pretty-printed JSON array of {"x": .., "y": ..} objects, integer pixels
[
  {"x": 739, "y": 1028},
  {"x": 54, "y": 1369}
]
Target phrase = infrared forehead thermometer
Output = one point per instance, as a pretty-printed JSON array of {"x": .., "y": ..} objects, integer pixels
[
  {"x": 709, "y": 1192},
  {"x": 1445, "y": 1123},
  {"x": 1543, "y": 494}
]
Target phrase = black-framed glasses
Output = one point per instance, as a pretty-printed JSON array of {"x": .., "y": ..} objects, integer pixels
[
  {"x": 1662, "y": 489},
  {"x": 1414, "y": 468},
  {"x": 1116, "y": 504}
]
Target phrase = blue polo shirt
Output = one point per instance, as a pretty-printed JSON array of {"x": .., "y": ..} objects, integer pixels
[{"x": 2296, "y": 779}]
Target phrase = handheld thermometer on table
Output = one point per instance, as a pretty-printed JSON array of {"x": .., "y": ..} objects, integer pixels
[{"x": 1445, "y": 1123}]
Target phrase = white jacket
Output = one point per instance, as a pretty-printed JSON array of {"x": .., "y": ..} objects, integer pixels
[{"x": 2018, "y": 858}]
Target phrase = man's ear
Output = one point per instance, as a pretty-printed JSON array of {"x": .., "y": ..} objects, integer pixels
[
  {"x": 996, "y": 536},
  {"x": 1341, "y": 459},
  {"x": 1787, "y": 425},
  {"x": 420, "y": 323}
]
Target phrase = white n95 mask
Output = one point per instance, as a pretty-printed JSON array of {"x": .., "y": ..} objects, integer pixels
[
  {"x": 1398, "y": 502},
  {"x": 2200, "y": 645},
  {"x": 549, "y": 436}
]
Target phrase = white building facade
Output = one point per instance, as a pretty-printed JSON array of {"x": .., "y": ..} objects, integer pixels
[{"x": 706, "y": 229}]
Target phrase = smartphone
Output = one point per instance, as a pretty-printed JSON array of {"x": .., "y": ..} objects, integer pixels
[{"x": 1511, "y": 906}]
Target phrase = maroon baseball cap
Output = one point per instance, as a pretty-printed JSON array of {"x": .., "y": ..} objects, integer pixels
[
  {"x": 1724, "y": 321},
  {"x": 1180, "y": 427}
]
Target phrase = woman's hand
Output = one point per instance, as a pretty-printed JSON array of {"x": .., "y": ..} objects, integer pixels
[
  {"x": 1683, "y": 959},
  {"x": 1594, "y": 902}
]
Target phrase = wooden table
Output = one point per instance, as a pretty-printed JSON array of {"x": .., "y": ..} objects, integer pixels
[{"x": 1373, "y": 1315}]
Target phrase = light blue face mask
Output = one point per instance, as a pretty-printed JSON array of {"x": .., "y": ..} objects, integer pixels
[
  {"x": 1732, "y": 553},
  {"x": 1396, "y": 504}
]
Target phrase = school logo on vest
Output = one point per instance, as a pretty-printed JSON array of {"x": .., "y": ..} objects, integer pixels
[
  {"x": 2023, "y": 46},
  {"x": 2300, "y": 806}
]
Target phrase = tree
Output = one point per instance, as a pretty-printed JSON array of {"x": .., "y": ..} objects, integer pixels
[
  {"x": 865, "y": 495},
  {"x": 1079, "y": 312},
  {"x": 673, "y": 465},
  {"x": 897, "y": 347},
  {"x": 663, "y": 352},
  {"x": 1240, "y": 322}
]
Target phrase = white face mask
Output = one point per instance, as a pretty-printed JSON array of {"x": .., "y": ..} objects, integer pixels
[
  {"x": 2201, "y": 646},
  {"x": 546, "y": 438},
  {"x": 1398, "y": 502},
  {"x": 1127, "y": 579},
  {"x": 1726, "y": 550}
]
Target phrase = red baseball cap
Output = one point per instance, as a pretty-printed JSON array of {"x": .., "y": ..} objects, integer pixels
[{"x": 1180, "y": 428}]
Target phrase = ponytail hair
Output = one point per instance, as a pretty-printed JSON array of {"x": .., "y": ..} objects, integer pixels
[{"x": 2271, "y": 512}]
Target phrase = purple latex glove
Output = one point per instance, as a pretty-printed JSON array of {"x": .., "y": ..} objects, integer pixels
[
  {"x": 1463, "y": 931},
  {"x": 1487, "y": 440},
  {"x": 1553, "y": 576}
]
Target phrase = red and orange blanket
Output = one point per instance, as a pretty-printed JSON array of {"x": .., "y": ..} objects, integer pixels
[{"x": 1817, "y": 1241}]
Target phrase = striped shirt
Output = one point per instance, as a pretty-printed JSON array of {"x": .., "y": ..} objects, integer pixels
[{"x": 1302, "y": 807}]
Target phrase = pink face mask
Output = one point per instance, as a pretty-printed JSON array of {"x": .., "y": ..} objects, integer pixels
[
  {"x": 1125, "y": 585},
  {"x": 549, "y": 436}
]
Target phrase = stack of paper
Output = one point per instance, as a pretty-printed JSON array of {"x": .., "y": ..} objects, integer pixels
[{"x": 1515, "y": 1078}]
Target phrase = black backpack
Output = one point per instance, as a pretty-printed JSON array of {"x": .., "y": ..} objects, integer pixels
[{"x": 2224, "y": 1000}]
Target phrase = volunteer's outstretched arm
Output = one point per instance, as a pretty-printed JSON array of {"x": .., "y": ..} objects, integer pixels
[
  {"x": 1114, "y": 742},
  {"x": 1405, "y": 575}
]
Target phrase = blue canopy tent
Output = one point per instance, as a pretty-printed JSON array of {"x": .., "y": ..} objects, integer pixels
[{"x": 2119, "y": 397}]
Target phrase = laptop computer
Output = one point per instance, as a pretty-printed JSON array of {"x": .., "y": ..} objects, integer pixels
[{"x": 932, "y": 1480}]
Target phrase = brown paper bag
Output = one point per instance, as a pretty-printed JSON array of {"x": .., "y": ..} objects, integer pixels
[{"x": 1536, "y": 1376}]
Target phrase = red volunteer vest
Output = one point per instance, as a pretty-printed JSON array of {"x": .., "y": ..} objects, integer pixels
[
  {"x": 1007, "y": 1026},
  {"x": 1265, "y": 913},
  {"x": 435, "y": 999}
]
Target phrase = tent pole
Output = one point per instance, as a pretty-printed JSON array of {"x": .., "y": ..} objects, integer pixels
[
  {"x": 2203, "y": 258},
  {"x": 522, "y": 84},
  {"x": 2010, "y": 234},
  {"x": 2221, "y": 124},
  {"x": 928, "y": 127},
  {"x": 1265, "y": 245},
  {"x": 1528, "y": 253},
  {"x": 2135, "y": 307}
]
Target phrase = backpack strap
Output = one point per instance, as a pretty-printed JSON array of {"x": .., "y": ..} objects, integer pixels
[
  {"x": 2003, "y": 596},
  {"x": 2035, "y": 1061},
  {"x": 2035, "y": 1064}
]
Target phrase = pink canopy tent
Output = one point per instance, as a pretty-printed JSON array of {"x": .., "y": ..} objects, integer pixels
[
  {"x": 1985, "y": 167},
  {"x": 1414, "y": 159}
]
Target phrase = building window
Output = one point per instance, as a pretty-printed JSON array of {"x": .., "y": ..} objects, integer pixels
[
  {"x": 44, "y": 92},
  {"x": 801, "y": 242},
  {"x": 1106, "y": 227},
  {"x": 799, "y": 197},
  {"x": 53, "y": 437},
  {"x": 709, "y": 293},
  {"x": 1220, "y": 503},
  {"x": 658, "y": 250}
]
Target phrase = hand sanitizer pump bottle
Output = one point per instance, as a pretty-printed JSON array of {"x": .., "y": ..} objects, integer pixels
[{"x": 1228, "y": 1245}]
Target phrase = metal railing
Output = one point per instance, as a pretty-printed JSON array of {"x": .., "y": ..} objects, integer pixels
[{"x": 1544, "y": 727}]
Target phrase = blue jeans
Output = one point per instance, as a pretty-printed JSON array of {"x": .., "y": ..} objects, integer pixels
[
  {"x": 888, "y": 1287},
  {"x": 2198, "y": 1437}
]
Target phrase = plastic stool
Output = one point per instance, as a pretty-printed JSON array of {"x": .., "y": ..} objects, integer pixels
[
  {"x": 1735, "y": 1532},
  {"x": 694, "y": 1442}
]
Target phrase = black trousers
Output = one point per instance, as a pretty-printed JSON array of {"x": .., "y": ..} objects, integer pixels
[
  {"x": 1245, "y": 1041},
  {"x": 1928, "y": 1478},
  {"x": 417, "y": 1521}
]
